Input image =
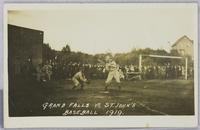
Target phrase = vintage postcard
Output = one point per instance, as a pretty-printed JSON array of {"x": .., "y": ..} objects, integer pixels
[{"x": 100, "y": 65}]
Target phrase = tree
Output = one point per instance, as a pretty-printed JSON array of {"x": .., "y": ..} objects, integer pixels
[{"x": 66, "y": 49}]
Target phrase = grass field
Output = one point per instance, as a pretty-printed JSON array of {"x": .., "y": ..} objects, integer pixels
[{"x": 54, "y": 98}]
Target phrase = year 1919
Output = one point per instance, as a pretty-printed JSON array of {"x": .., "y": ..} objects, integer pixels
[{"x": 114, "y": 112}]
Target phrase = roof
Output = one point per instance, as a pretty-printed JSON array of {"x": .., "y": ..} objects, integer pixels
[
  {"x": 178, "y": 41},
  {"x": 25, "y": 28}
]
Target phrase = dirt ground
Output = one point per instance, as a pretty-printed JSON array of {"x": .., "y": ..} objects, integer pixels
[{"x": 56, "y": 98}]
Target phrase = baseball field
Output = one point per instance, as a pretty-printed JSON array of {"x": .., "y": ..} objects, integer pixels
[{"x": 145, "y": 97}]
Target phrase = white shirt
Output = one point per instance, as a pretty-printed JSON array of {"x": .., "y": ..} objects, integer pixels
[{"x": 111, "y": 66}]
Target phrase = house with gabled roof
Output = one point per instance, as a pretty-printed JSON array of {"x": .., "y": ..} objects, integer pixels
[{"x": 184, "y": 46}]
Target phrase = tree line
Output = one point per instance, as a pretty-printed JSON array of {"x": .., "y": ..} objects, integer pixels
[{"x": 66, "y": 55}]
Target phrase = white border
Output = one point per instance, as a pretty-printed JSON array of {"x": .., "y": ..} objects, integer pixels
[{"x": 96, "y": 121}]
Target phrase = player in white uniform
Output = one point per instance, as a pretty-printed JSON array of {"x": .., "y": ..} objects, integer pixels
[
  {"x": 79, "y": 79},
  {"x": 112, "y": 68}
]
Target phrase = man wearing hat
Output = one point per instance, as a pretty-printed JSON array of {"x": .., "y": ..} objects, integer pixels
[
  {"x": 79, "y": 79},
  {"x": 113, "y": 72}
]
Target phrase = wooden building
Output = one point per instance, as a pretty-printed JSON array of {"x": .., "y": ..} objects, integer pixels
[{"x": 24, "y": 49}]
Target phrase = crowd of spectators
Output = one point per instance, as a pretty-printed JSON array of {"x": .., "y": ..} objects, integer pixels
[
  {"x": 166, "y": 72},
  {"x": 55, "y": 71},
  {"x": 97, "y": 71}
]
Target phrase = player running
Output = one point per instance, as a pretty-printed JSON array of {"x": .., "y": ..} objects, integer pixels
[
  {"x": 113, "y": 72},
  {"x": 79, "y": 79}
]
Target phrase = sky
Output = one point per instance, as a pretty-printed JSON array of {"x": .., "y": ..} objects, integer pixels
[{"x": 112, "y": 28}]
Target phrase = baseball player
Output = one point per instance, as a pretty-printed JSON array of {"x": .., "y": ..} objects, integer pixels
[
  {"x": 79, "y": 79},
  {"x": 113, "y": 72}
]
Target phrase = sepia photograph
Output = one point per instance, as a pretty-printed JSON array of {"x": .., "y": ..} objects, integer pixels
[{"x": 101, "y": 61}]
